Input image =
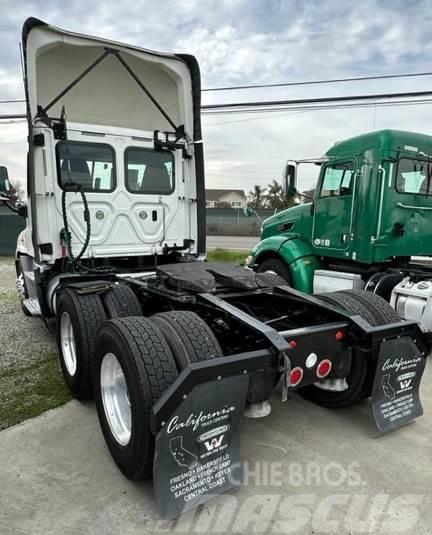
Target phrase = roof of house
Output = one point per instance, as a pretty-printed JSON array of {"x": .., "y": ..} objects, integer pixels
[{"x": 216, "y": 194}]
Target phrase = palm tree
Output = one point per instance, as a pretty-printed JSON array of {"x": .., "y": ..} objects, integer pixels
[
  {"x": 276, "y": 199},
  {"x": 257, "y": 197},
  {"x": 275, "y": 195}
]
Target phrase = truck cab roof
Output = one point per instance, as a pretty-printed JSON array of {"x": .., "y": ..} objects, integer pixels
[{"x": 385, "y": 141}]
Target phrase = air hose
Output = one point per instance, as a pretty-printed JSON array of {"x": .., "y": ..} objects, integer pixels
[{"x": 66, "y": 234}]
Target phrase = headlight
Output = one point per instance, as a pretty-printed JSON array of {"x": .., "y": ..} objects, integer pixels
[{"x": 248, "y": 260}]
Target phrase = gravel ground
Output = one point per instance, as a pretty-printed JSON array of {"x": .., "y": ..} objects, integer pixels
[{"x": 22, "y": 338}]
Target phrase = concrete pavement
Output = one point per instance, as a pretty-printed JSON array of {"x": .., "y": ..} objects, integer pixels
[{"x": 309, "y": 470}]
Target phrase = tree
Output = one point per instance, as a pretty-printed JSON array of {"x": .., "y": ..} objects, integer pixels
[
  {"x": 257, "y": 197},
  {"x": 276, "y": 199}
]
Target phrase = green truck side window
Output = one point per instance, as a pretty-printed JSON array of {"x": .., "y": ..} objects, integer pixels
[{"x": 337, "y": 180}]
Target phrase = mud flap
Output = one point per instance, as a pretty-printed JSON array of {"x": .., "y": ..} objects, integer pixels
[
  {"x": 395, "y": 394},
  {"x": 197, "y": 452}
]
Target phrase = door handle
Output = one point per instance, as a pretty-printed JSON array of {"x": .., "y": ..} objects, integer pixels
[{"x": 410, "y": 207}]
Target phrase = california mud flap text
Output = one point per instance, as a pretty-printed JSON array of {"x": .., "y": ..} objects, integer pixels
[
  {"x": 395, "y": 396},
  {"x": 198, "y": 447}
]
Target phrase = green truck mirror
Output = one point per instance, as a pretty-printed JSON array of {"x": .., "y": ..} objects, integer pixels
[
  {"x": 248, "y": 211},
  {"x": 4, "y": 182},
  {"x": 289, "y": 184}
]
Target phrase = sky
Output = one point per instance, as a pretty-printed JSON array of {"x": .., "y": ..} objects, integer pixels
[{"x": 251, "y": 42}]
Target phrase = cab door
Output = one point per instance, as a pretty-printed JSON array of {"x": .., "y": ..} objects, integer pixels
[{"x": 333, "y": 209}]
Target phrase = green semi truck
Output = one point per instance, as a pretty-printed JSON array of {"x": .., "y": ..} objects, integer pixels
[{"x": 367, "y": 227}]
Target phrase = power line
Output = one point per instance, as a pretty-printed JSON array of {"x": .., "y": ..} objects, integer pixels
[
  {"x": 11, "y": 101},
  {"x": 287, "y": 106},
  {"x": 315, "y": 82},
  {"x": 284, "y": 110},
  {"x": 316, "y": 100},
  {"x": 303, "y": 109},
  {"x": 11, "y": 116}
]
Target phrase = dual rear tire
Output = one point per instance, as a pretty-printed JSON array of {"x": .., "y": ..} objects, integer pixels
[
  {"x": 136, "y": 359},
  {"x": 376, "y": 311},
  {"x": 126, "y": 363}
]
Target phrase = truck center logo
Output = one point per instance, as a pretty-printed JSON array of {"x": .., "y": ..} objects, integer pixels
[
  {"x": 400, "y": 363},
  {"x": 195, "y": 421}
]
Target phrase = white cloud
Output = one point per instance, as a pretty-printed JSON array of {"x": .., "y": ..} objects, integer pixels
[{"x": 252, "y": 41}]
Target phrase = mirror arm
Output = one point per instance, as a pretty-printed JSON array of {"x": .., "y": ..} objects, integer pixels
[{"x": 11, "y": 208}]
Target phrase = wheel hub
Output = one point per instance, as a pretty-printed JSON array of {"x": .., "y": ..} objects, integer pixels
[
  {"x": 67, "y": 340},
  {"x": 115, "y": 398}
]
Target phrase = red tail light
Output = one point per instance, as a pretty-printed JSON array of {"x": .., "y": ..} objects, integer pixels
[
  {"x": 293, "y": 344},
  {"x": 340, "y": 335},
  {"x": 323, "y": 368},
  {"x": 295, "y": 376}
]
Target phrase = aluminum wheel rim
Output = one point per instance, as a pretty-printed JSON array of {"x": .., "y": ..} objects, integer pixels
[
  {"x": 115, "y": 398},
  {"x": 67, "y": 340}
]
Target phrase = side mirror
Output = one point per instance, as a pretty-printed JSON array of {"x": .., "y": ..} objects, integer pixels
[
  {"x": 22, "y": 210},
  {"x": 289, "y": 184},
  {"x": 248, "y": 212},
  {"x": 5, "y": 187}
]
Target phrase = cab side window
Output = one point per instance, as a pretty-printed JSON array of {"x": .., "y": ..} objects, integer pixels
[
  {"x": 414, "y": 176},
  {"x": 337, "y": 180}
]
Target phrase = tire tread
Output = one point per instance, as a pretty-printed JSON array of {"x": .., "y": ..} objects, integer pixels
[
  {"x": 189, "y": 337},
  {"x": 121, "y": 302}
]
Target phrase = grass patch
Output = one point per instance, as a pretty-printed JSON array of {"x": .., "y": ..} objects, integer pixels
[
  {"x": 225, "y": 255},
  {"x": 27, "y": 391},
  {"x": 9, "y": 297}
]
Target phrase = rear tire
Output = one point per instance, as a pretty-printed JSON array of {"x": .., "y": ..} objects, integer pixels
[
  {"x": 121, "y": 302},
  {"x": 146, "y": 368},
  {"x": 375, "y": 311},
  {"x": 189, "y": 337},
  {"x": 78, "y": 318},
  {"x": 382, "y": 312},
  {"x": 278, "y": 267},
  {"x": 270, "y": 280}
]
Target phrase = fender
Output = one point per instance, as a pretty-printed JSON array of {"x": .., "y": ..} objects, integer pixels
[
  {"x": 302, "y": 262},
  {"x": 270, "y": 244},
  {"x": 22, "y": 247},
  {"x": 297, "y": 254}
]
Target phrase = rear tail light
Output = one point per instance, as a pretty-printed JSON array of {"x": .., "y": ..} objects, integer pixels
[
  {"x": 340, "y": 335},
  {"x": 295, "y": 376},
  {"x": 323, "y": 368}
]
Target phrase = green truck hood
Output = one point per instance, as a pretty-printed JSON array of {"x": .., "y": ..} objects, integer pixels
[{"x": 289, "y": 221}]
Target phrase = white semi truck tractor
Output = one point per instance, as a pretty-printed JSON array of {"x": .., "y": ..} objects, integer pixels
[{"x": 172, "y": 348}]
